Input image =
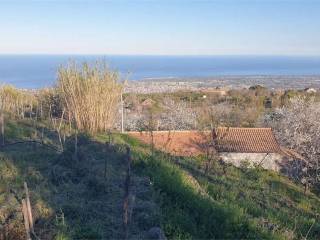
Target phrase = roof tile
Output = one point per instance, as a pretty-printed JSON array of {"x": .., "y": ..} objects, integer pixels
[{"x": 253, "y": 140}]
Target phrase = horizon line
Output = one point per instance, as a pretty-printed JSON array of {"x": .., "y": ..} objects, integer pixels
[{"x": 163, "y": 55}]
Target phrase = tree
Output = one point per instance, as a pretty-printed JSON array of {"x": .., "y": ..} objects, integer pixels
[
  {"x": 297, "y": 126},
  {"x": 177, "y": 116}
]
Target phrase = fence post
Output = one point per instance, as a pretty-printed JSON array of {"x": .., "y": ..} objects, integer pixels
[
  {"x": 30, "y": 218},
  {"x": 26, "y": 218},
  {"x": 108, "y": 150},
  {"x": 126, "y": 219}
]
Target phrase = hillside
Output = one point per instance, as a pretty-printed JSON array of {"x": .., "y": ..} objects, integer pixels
[
  {"x": 82, "y": 198},
  {"x": 228, "y": 202},
  {"x": 71, "y": 199}
]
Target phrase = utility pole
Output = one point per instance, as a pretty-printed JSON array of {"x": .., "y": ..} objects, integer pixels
[{"x": 122, "y": 129}]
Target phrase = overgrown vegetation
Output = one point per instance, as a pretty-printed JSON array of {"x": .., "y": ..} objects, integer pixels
[
  {"x": 226, "y": 203},
  {"x": 189, "y": 110}
]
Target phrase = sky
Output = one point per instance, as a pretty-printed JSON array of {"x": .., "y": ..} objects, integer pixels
[{"x": 160, "y": 27}]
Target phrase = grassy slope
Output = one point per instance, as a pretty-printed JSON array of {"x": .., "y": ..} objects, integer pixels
[
  {"x": 71, "y": 199},
  {"x": 242, "y": 203}
]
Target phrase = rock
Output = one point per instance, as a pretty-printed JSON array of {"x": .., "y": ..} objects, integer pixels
[{"x": 156, "y": 233}]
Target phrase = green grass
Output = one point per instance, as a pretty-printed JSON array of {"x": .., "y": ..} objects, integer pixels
[
  {"x": 241, "y": 204},
  {"x": 73, "y": 199}
]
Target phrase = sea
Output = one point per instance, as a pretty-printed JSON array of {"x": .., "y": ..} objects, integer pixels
[{"x": 37, "y": 71}]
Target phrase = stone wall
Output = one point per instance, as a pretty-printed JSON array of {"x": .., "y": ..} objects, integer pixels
[{"x": 266, "y": 160}]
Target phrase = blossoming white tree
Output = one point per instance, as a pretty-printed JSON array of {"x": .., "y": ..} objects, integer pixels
[{"x": 297, "y": 126}]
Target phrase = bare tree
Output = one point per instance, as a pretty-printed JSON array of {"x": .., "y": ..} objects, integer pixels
[{"x": 208, "y": 147}]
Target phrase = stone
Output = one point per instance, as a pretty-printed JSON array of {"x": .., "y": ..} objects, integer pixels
[{"x": 156, "y": 233}]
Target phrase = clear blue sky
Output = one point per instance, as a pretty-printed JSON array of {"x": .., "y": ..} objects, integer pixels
[{"x": 170, "y": 27}]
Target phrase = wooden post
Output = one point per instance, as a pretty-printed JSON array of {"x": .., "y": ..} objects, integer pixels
[
  {"x": 105, "y": 168},
  {"x": 76, "y": 145},
  {"x": 126, "y": 216},
  {"x": 129, "y": 161},
  {"x": 122, "y": 115},
  {"x": 26, "y": 219},
  {"x": 105, "y": 160},
  {"x": 30, "y": 218},
  {"x": 42, "y": 134}
]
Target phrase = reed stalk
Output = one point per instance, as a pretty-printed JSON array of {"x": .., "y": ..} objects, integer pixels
[{"x": 91, "y": 94}]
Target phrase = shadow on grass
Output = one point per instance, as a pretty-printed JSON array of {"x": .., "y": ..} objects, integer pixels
[{"x": 71, "y": 198}]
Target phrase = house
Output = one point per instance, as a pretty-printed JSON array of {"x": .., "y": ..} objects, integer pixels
[
  {"x": 267, "y": 102},
  {"x": 253, "y": 146},
  {"x": 147, "y": 103},
  {"x": 217, "y": 91},
  {"x": 310, "y": 90}
]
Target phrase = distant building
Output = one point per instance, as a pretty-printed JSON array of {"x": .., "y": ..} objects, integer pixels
[
  {"x": 310, "y": 90},
  {"x": 255, "y": 146},
  {"x": 217, "y": 91},
  {"x": 267, "y": 102},
  {"x": 257, "y": 87},
  {"x": 147, "y": 103}
]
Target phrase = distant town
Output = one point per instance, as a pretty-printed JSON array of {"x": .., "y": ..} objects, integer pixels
[{"x": 161, "y": 85}]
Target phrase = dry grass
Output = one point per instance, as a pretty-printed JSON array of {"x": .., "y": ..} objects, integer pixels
[
  {"x": 91, "y": 94},
  {"x": 16, "y": 102}
]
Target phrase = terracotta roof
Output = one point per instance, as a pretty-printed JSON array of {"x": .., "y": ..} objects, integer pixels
[
  {"x": 291, "y": 153},
  {"x": 148, "y": 102},
  {"x": 246, "y": 140}
]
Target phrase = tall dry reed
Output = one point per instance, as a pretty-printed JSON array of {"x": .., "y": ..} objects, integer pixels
[
  {"x": 90, "y": 94},
  {"x": 17, "y": 102}
]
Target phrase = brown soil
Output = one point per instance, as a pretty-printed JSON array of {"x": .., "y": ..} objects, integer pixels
[{"x": 180, "y": 143}]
